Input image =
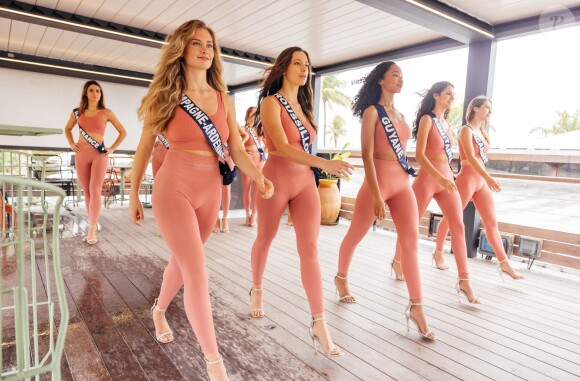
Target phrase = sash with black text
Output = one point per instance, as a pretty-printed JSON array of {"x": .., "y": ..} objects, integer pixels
[
  {"x": 257, "y": 142},
  {"x": 96, "y": 145},
  {"x": 479, "y": 143},
  {"x": 302, "y": 131},
  {"x": 445, "y": 138},
  {"x": 393, "y": 138},
  {"x": 211, "y": 135}
]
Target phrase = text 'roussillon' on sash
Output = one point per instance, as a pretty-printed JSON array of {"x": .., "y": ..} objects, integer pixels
[
  {"x": 302, "y": 131},
  {"x": 393, "y": 138},
  {"x": 98, "y": 146},
  {"x": 163, "y": 140},
  {"x": 257, "y": 142},
  {"x": 480, "y": 144},
  {"x": 212, "y": 136},
  {"x": 445, "y": 138},
  {"x": 304, "y": 134}
]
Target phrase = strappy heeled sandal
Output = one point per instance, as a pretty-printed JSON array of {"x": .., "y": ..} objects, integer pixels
[
  {"x": 429, "y": 334},
  {"x": 170, "y": 332},
  {"x": 437, "y": 265},
  {"x": 225, "y": 227},
  {"x": 333, "y": 352},
  {"x": 260, "y": 310},
  {"x": 397, "y": 277},
  {"x": 91, "y": 241},
  {"x": 460, "y": 291},
  {"x": 345, "y": 298},
  {"x": 502, "y": 271}
]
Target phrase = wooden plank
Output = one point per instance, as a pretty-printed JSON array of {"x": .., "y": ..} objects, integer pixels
[
  {"x": 117, "y": 356},
  {"x": 540, "y": 233},
  {"x": 229, "y": 336}
]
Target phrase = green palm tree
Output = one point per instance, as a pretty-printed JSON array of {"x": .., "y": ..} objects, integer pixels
[
  {"x": 565, "y": 123},
  {"x": 332, "y": 95},
  {"x": 337, "y": 129}
]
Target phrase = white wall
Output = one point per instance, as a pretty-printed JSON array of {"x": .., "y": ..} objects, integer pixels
[{"x": 43, "y": 100}]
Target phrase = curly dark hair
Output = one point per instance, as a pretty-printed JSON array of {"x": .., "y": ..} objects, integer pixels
[
  {"x": 428, "y": 103},
  {"x": 272, "y": 83},
  {"x": 370, "y": 92}
]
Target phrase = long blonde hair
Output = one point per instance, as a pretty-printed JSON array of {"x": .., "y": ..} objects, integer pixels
[
  {"x": 169, "y": 83},
  {"x": 478, "y": 101}
]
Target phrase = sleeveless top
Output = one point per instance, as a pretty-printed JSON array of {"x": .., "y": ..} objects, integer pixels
[
  {"x": 291, "y": 132},
  {"x": 435, "y": 143},
  {"x": 382, "y": 143},
  {"x": 184, "y": 134},
  {"x": 95, "y": 124},
  {"x": 475, "y": 146}
]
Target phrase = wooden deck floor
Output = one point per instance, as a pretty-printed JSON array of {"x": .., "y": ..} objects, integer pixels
[{"x": 524, "y": 330}]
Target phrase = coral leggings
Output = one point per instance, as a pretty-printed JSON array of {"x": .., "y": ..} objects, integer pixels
[
  {"x": 396, "y": 191},
  {"x": 294, "y": 184},
  {"x": 472, "y": 186},
  {"x": 185, "y": 215},
  {"x": 91, "y": 168},
  {"x": 159, "y": 152},
  {"x": 250, "y": 192},
  {"x": 426, "y": 188}
]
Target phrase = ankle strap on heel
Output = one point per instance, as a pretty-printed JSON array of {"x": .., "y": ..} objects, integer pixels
[
  {"x": 220, "y": 359},
  {"x": 341, "y": 277}
]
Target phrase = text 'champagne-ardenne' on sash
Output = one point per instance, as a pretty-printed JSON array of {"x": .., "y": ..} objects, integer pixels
[
  {"x": 304, "y": 134},
  {"x": 201, "y": 118}
]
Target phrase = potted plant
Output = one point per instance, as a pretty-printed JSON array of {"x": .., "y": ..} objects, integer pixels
[{"x": 329, "y": 193}]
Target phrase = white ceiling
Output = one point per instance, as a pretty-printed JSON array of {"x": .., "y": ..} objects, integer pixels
[{"x": 330, "y": 30}]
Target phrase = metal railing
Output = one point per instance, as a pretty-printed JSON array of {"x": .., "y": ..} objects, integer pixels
[{"x": 31, "y": 276}]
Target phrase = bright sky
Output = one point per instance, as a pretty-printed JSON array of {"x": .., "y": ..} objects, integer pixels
[{"x": 534, "y": 76}]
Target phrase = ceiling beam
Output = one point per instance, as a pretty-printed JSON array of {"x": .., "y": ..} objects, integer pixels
[
  {"x": 558, "y": 19},
  {"x": 30, "y": 13},
  {"x": 417, "y": 50},
  {"x": 72, "y": 69},
  {"x": 437, "y": 16}
]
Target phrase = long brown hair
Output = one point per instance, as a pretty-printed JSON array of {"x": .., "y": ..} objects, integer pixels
[
  {"x": 273, "y": 80},
  {"x": 168, "y": 84},
  {"x": 85, "y": 100},
  {"x": 427, "y": 104},
  {"x": 370, "y": 91},
  {"x": 478, "y": 101}
]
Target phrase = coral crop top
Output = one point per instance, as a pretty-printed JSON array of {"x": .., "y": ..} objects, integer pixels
[
  {"x": 475, "y": 146},
  {"x": 435, "y": 143},
  {"x": 291, "y": 131},
  {"x": 95, "y": 124},
  {"x": 382, "y": 142},
  {"x": 183, "y": 133}
]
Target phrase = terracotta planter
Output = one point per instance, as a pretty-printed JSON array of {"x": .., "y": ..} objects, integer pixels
[{"x": 329, "y": 201}]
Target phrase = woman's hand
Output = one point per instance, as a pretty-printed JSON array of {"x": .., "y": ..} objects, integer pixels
[
  {"x": 110, "y": 150},
  {"x": 136, "y": 210},
  {"x": 379, "y": 207},
  {"x": 448, "y": 185},
  {"x": 75, "y": 147},
  {"x": 493, "y": 184},
  {"x": 338, "y": 168},
  {"x": 265, "y": 187}
]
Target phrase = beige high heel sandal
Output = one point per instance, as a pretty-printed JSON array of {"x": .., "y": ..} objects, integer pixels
[
  {"x": 160, "y": 336},
  {"x": 334, "y": 351},
  {"x": 429, "y": 334},
  {"x": 260, "y": 310},
  {"x": 346, "y": 297},
  {"x": 460, "y": 291}
]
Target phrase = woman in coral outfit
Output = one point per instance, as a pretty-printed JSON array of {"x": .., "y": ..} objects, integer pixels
[
  {"x": 435, "y": 179},
  {"x": 187, "y": 193},
  {"x": 91, "y": 164},
  {"x": 250, "y": 195},
  {"x": 475, "y": 183},
  {"x": 285, "y": 115},
  {"x": 386, "y": 181}
]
